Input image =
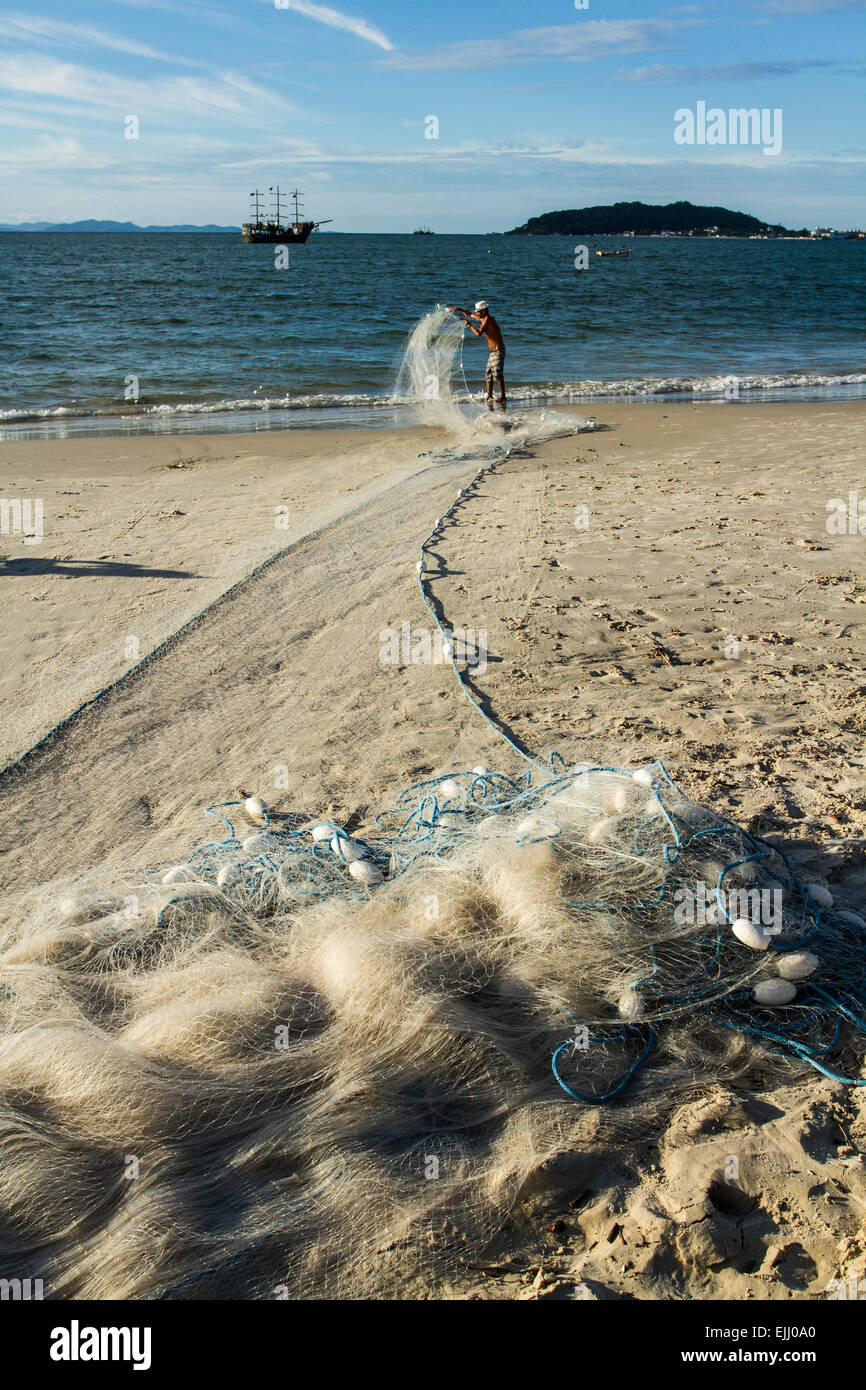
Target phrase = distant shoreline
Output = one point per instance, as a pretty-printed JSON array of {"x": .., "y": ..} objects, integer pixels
[{"x": 64, "y": 229}]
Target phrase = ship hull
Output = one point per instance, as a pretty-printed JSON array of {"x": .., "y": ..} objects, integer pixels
[{"x": 295, "y": 235}]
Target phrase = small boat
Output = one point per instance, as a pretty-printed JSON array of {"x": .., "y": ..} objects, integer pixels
[
  {"x": 423, "y": 231},
  {"x": 271, "y": 229},
  {"x": 614, "y": 253}
]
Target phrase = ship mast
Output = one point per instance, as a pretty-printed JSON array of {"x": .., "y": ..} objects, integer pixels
[
  {"x": 296, "y": 195},
  {"x": 279, "y": 217},
  {"x": 257, "y": 195}
]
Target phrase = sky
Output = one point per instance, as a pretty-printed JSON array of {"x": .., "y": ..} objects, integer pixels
[{"x": 464, "y": 115}]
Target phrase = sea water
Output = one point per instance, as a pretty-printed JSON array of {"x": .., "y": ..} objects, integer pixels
[{"x": 125, "y": 332}]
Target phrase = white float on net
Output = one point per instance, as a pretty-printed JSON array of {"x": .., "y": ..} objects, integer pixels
[
  {"x": 797, "y": 965},
  {"x": 774, "y": 992},
  {"x": 819, "y": 894},
  {"x": 532, "y": 827},
  {"x": 751, "y": 934},
  {"x": 348, "y": 849},
  {"x": 181, "y": 873},
  {"x": 365, "y": 871},
  {"x": 630, "y": 1005},
  {"x": 259, "y": 843}
]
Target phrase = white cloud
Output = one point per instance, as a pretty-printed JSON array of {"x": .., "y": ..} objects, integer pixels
[
  {"x": 813, "y": 6},
  {"x": 657, "y": 75},
  {"x": 590, "y": 39},
  {"x": 335, "y": 19},
  {"x": 506, "y": 156},
  {"x": 51, "y": 154},
  {"x": 194, "y": 10},
  {"x": 232, "y": 95},
  {"x": 54, "y": 31}
]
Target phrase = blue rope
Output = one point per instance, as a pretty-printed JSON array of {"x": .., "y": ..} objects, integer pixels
[
  {"x": 620, "y": 1086},
  {"x": 496, "y": 455}
]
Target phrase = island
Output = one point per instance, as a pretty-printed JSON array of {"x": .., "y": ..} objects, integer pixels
[{"x": 647, "y": 219}]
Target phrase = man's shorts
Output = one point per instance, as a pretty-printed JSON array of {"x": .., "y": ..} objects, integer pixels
[{"x": 496, "y": 364}]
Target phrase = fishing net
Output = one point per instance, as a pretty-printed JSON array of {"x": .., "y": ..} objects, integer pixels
[
  {"x": 428, "y": 374},
  {"x": 432, "y": 379},
  {"x": 308, "y": 1063}
]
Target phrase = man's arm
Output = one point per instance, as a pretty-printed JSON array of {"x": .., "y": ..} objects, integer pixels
[{"x": 468, "y": 317}]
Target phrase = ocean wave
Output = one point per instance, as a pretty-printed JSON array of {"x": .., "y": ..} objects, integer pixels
[
  {"x": 228, "y": 406},
  {"x": 728, "y": 386}
]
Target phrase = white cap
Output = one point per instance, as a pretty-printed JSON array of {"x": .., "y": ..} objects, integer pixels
[{"x": 482, "y": 304}]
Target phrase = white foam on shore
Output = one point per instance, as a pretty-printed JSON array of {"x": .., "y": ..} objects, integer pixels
[{"x": 749, "y": 386}]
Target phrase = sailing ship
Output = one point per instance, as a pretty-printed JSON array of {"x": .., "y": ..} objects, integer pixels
[{"x": 271, "y": 228}]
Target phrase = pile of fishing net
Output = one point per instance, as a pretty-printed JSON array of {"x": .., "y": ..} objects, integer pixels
[{"x": 313, "y": 1062}]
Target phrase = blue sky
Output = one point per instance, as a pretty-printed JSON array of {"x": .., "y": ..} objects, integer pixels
[{"x": 539, "y": 106}]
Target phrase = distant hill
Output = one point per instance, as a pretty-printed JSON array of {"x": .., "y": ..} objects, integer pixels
[
  {"x": 643, "y": 219},
  {"x": 91, "y": 226}
]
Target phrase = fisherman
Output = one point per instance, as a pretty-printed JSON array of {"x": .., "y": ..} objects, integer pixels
[{"x": 492, "y": 332}]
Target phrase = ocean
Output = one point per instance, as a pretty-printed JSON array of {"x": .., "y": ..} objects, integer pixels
[{"x": 127, "y": 333}]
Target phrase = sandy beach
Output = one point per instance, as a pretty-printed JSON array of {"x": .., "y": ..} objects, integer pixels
[
  {"x": 662, "y": 588},
  {"x": 665, "y": 587}
]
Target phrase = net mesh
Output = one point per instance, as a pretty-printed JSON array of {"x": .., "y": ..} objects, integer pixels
[{"x": 308, "y": 1064}]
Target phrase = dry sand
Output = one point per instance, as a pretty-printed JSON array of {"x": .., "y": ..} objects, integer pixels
[{"x": 665, "y": 587}]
